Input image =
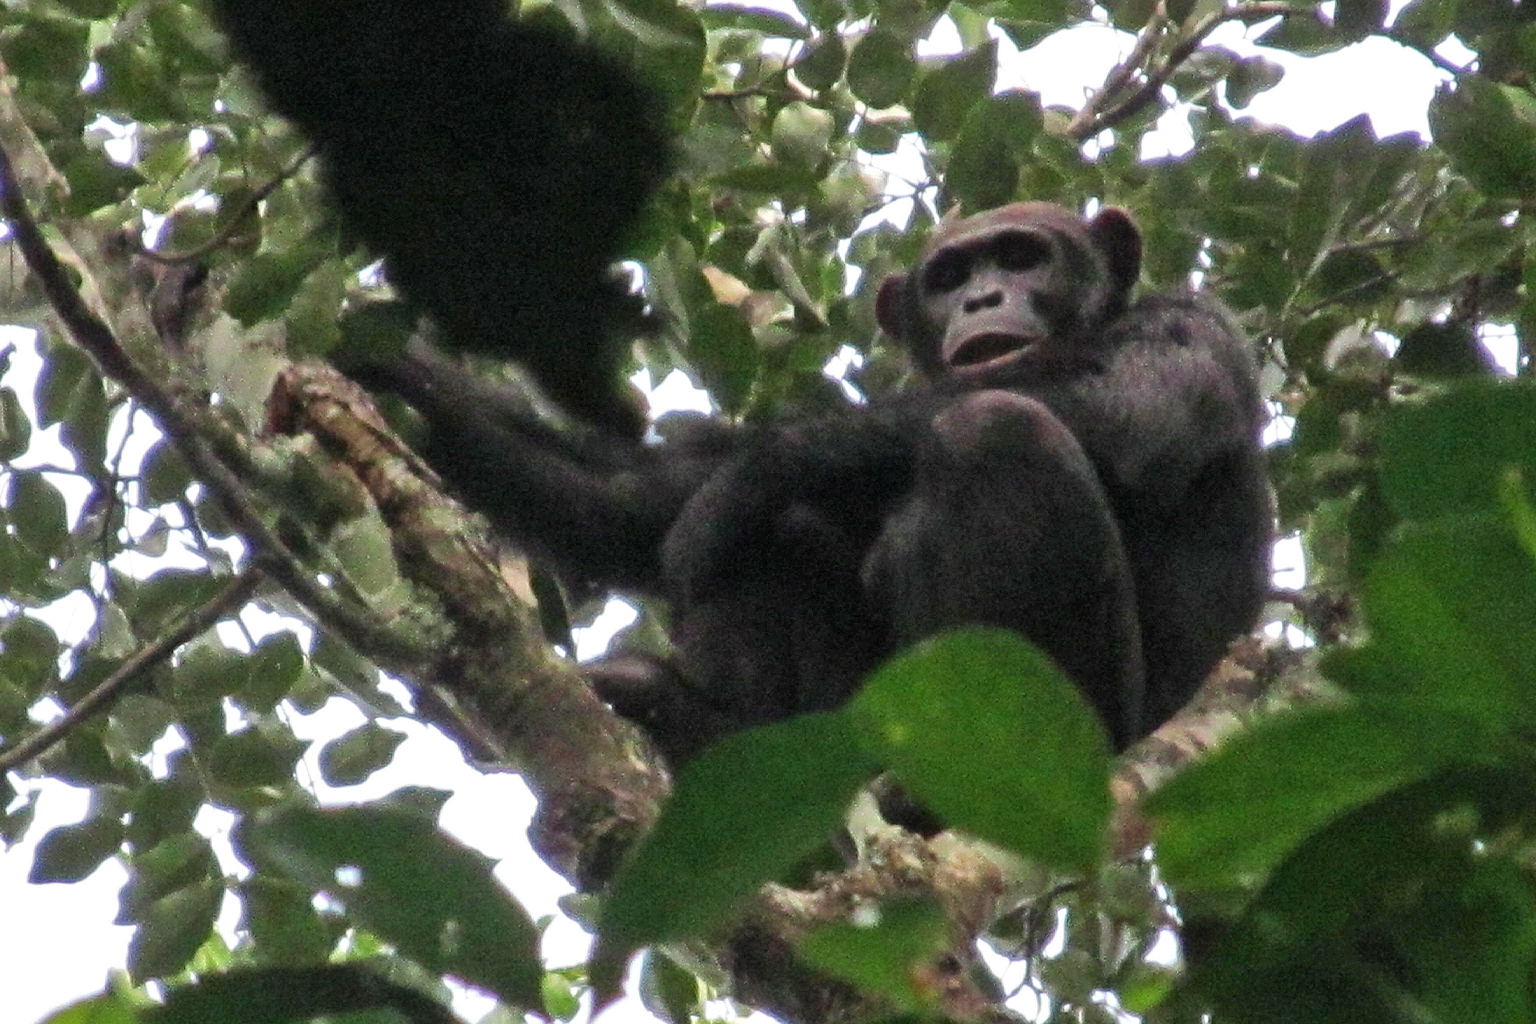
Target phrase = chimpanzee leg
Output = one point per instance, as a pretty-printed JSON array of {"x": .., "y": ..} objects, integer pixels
[{"x": 1008, "y": 525}]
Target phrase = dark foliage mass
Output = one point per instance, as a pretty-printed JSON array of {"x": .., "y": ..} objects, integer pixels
[
  {"x": 1080, "y": 470},
  {"x": 421, "y": 115}
]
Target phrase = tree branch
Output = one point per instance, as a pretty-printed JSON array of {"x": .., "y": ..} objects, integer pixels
[
  {"x": 231, "y": 598},
  {"x": 1093, "y": 119},
  {"x": 205, "y": 441}
]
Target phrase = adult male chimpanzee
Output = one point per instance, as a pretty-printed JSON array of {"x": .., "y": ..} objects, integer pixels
[{"x": 1083, "y": 470}]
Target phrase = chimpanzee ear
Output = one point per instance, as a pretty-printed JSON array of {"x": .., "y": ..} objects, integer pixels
[
  {"x": 891, "y": 306},
  {"x": 1118, "y": 238}
]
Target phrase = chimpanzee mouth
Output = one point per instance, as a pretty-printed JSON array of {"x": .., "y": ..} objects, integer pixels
[{"x": 987, "y": 350}]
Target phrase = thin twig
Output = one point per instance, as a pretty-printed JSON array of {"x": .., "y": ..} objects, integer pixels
[
  {"x": 223, "y": 234},
  {"x": 234, "y": 595},
  {"x": 1084, "y": 127}
]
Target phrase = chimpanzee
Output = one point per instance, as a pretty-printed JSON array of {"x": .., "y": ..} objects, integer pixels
[{"x": 1078, "y": 468}]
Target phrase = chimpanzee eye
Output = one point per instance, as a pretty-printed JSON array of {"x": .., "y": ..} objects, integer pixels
[
  {"x": 947, "y": 271},
  {"x": 1016, "y": 251}
]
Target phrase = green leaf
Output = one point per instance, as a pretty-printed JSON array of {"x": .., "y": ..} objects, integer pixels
[
  {"x": 754, "y": 19},
  {"x": 1448, "y": 349},
  {"x": 355, "y": 755},
  {"x": 993, "y": 142},
  {"x": 881, "y": 68},
  {"x": 1249, "y": 77},
  {"x": 887, "y": 955},
  {"x": 89, "y": 8},
  {"x": 266, "y": 284},
  {"x": 946, "y": 93},
  {"x": 269, "y": 995},
  {"x": 1449, "y": 605},
  {"x": 774, "y": 179},
  {"x": 1239, "y": 811},
  {"x": 84, "y": 430},
  {"x": 70, "y": 853},
  {"x": 310, "y": 319},
  {"x": 206, "y": 673},
  {"x": 29, "y": 653},
  {"x": 1424, "y": 24},
  {"x": 1307, "y": 33},
  {"x": 721, "y": 346},
  {"x": 178, "y": 862},
  {"x": 163, "y": 808},
  {"x": 272, "y": 669},
  {"x": 46, "y": 47},
  {"x": 669, "y": 991},
  {"x": 374, "y": 331},
  {"x": 95, "y": 181},
  {"x": 110, "y": 1008},
  {"x": 173, "y": 930},
  {"x": 1401, "y": 904},
  {"x": 1447, "y": 456},
  {"x": 15, "y": 428},
  {"x": 990, "y": 736},
  {"x": 1478, "y": 128},
  {"x": 38, "y": 512},
  {"x": 163, "y": 475},
  {"x": 823, "y": 63},
  {"x": 281, "y": 917},
  {"x": 741, "y": 815},
  {"x": 801, "y": 135},
  {"x": 1356, "y": 19},
  {"x": 66, "y": 374},
  {"x": 401, "y": 877},
  {"x": 252, "y": 758},
  {"x": 135, "y": 84},
  {"x": 667, "y": 46}
]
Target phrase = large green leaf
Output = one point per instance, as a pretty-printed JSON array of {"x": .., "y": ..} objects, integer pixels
[
  {"x": 1449, "y": 456},
  {"x": 1400, "y": 906},
  {"x": 277, "y": 995},
  {"x": 1450, "y": 605},
  {"x": 741, "y": 815},
  {"x": 986, "y": 732},
  {"x": 886, "y": 955},
  {"x": 947, "y": 92},
  {"x": 1235, "y": 814},
  {"x": 994, "y": 141},
  {"x": 1487, "y": 140},
  {"x": 414, "y": 886}
]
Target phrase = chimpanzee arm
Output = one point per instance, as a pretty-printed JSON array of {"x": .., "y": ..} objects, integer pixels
[
  {"x": 1006, "y": 524},
  {"x": 1173, "y": 427},
  {"x": 801, "y": 485},
  {"x": 592, "y": 505}
]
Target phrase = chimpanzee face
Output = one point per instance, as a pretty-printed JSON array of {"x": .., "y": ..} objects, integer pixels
[{"x": 1006, "y": 285}]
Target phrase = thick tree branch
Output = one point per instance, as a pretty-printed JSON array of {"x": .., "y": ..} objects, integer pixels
[{"x": 506, "y": 692}]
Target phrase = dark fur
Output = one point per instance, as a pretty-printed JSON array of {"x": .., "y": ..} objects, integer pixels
[{"x": 1100, "y": 488}]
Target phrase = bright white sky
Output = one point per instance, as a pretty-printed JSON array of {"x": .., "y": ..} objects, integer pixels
[{"x": 69, "y": 943}]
